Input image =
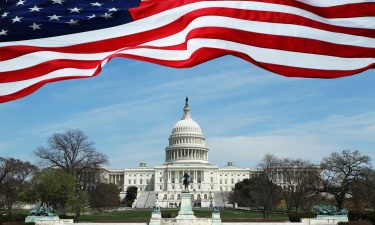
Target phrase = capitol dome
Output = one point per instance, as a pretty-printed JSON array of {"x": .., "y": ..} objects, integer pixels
[{"x": 186, "y": 143}]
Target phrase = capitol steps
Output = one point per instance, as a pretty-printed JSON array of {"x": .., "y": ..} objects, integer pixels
[
  {"x": 220, "y": 198},
  {"x": 151, "y": 199},
  {"x": 146, "y": 199},
  {"x": 141, "y": 200}
]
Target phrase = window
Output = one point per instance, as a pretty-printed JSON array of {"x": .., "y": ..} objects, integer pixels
[
  {"x": 221, "y": 181},
  {"x": 135, "y": 181},
  {"x": 161, "y": 187},
  {"x": 130, "y": 181},
  {"x": 205, "y": 196},
  {"x": 212, "y": 179},
  {"x": 140, "y": 181},
  {"x": 161, "y": 179},
  {"x": 165, "y": 197}
]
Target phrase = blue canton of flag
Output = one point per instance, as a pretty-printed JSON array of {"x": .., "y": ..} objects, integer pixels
[{"x": 31, "y": 19}]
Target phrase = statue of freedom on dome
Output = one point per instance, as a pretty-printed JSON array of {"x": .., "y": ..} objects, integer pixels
[{"x": 186, "y": 181}]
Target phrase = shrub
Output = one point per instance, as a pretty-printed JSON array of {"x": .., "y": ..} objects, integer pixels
[
  {"x": 297, "y": 216},
  {"x": 343, "y": 223},
  {"x": 357, "y": 216},
  {"x": 30, "y": 223},
  {"x": 168, "y": 214}
]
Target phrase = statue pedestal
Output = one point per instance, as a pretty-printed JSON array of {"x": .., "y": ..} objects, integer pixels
[
  {"x": 155, "y": 218},
  {"x": 216, "y": 219},
  {"x": 42, "y": 219},
  {"x": 186, "y": 211}
]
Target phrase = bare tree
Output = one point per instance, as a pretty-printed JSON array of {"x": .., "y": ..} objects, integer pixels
[
  {"x": 340, "y": 171},
  {"x": 13, "y": 174},
  {"x": 364, "y": 192},
  {"x": 74, "y": 153},
  {"x": 270, "y": 192},
  {"x": 298, "y": 183}
]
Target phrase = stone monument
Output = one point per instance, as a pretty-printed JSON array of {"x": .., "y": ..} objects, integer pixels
[
  {"x": 41, "y": 212},
  {"x": 186, "y": 210},
  {"x": 328, "y": 212},
  {"x": 216, "y": 219},
  {"x": 155, "y": 215}
]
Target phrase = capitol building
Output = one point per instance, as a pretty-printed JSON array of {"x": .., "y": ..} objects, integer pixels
[{"x": 185, "y": 153}]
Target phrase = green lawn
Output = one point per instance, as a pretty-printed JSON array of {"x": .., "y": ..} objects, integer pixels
[{"x": 144, "y": 216}]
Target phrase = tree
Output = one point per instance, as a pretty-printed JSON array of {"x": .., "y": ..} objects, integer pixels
[
  {"x": 131, "y": 195},
  {"x": 74, "y": 153},
  {"x": 363, "y": 195},
  {"x": 270, "y": 191},
  {"x": 251, "y": 193},
  {"x": 298, "y": 183},
  {"x": 13, "y": 176},
  {"x": 78, "y": 203},
  {"x": 53, "y": 187},
  {"x": 340, "y": 172},
  {"x": 104, "y": 196}
]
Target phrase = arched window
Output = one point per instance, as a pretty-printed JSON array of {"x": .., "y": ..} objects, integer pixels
[
  {"x": 178, "y": 197},
  {"x": 198, "y": 196},
  {"x": 165, "y": 196},
  {"x": 172, "y": 196},
  {"x": 205, "y": 196}
]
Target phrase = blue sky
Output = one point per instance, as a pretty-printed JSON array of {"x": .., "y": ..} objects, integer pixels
[{"x": 245, "y": 112}]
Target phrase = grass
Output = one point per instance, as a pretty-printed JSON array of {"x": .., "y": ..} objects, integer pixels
[{"x": 227, "y": 215}]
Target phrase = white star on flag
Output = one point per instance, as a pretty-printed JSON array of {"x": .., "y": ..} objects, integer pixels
[
  {"x": 16, "y": 19},
  {"x": 54, "y": 17},
  {"x": 75, "y": 9},
  {"x": 35, "y": 9},
  {"x": 72, "y": 22},
  {"x": 96, "y": 4},
  {"x": 107, "y": 15},
  {"x": 36, "y": 26}
]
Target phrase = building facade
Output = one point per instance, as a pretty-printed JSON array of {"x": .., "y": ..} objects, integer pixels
[{"x": 185, "y": 153}]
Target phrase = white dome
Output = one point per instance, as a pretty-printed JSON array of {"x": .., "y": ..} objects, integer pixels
[
  {"x": 187, "y": 125},
  {"x": 186, "y": 143}
]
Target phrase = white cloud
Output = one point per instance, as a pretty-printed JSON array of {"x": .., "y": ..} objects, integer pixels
[{"x": 311, "y": 141}]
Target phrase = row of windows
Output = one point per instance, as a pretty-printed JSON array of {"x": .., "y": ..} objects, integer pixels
[
  {"x": 140, "y": 181},
  {"x": 197, "y": 196},
  {"x": 179, "y": 129},
  {"x": 173, "y": 187},
  {"x": 226, "y": 181},
  {"x": 232, "y": 175},
  {"x": 187, "y": 141},
  {"x": 140, "y": 175}
]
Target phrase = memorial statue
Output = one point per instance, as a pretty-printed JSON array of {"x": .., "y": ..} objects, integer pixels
[
  {"x": 328, "y": 210},
  {"x": 42, "y": 210},
  {"x": 186, "y": 181}
]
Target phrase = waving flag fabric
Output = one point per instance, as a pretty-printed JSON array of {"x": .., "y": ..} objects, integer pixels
[{"x": 44, "y": 41}]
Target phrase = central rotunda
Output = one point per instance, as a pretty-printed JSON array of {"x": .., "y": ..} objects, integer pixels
[
  {"x": 186, "y": 153},
  {"x": 186, "y": 143}
]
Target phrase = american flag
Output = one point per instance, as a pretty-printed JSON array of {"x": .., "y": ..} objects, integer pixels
[{"x": 43, "y": 41}]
